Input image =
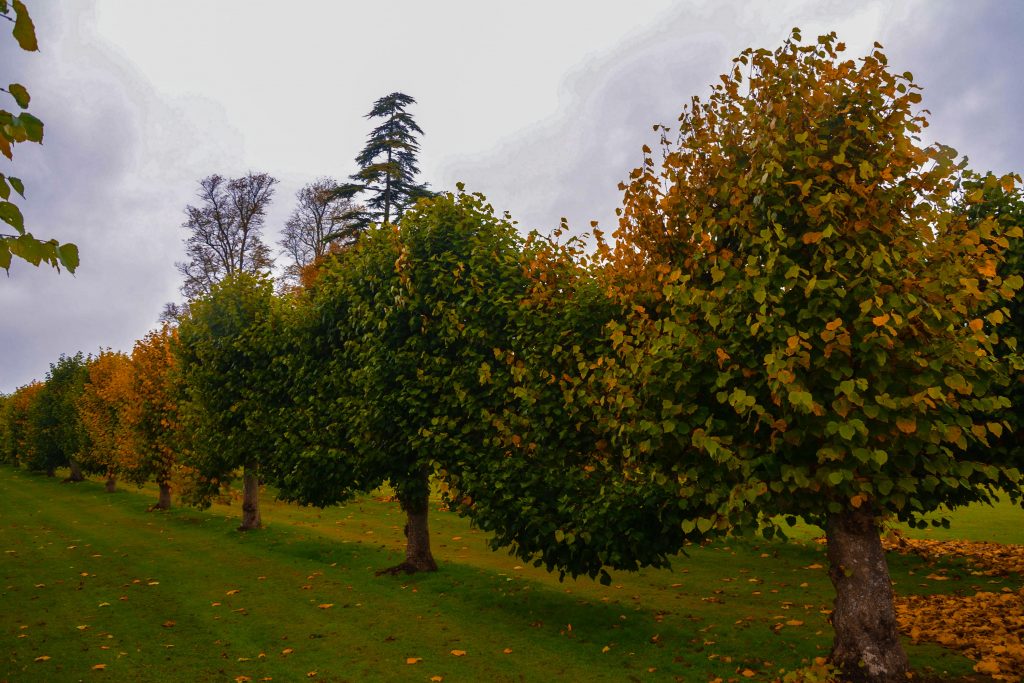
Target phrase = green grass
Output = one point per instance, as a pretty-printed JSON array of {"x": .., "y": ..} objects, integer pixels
[{"x": 73, "y": 556}]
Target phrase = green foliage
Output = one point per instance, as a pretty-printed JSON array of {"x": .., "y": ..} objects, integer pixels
[
  {"x": 54, "y": 431},
  {"x": 1000, "y": 199},
  {"x": 226, "y": 368},
  {"x": 389, "y": 350},
  {"x": 824, "y": 293},
  {"x": 387, "y": 164},
  {"x": 23, "y": 127}
]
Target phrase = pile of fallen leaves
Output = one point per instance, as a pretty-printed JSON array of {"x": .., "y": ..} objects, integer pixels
[
  {"x": 992, "y": 558},
  {"x": 987, "y": 627}
]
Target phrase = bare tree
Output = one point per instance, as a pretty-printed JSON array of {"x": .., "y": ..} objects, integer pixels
[
  {"x": 225, "y": 231},
  {"x": 317, "y": 223}
]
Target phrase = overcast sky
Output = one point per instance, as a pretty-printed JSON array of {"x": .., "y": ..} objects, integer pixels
[{"x": 542, "y": 106}]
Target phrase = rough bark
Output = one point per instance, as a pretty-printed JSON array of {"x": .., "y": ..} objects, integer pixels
[
  {"x": 76, "y": 472},
  {"x": 111, "y": 486},
  {"x": 250, "y": 500},
  {"x": 867, "y": 647},
  {"x": 164, "y": 501},
  {"x": 418, "y": 557}
]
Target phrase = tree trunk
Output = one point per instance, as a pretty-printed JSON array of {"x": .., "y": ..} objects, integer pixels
[
  {"x": 164, "y": 501},
  {"x": 250, "y": 500},
  {"x": 867, "y": 647},
  {"x": 111, "y": 482},
  {"x": 76, "y": 471},
  {"x": 418, "y": 557}
]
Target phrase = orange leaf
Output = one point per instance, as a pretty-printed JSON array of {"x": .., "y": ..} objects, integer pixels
[
  {"x": 880, "y": 320},
  {"x": 907, "y": 425},
  {"x": 168, "y": 624},
  {"x": 437, "y": 678},
  {"x": 458, "y": 653},
  {"x": 99, "y": 667},
  {"x": 794, "y": 622},
  {"x": 747, "y": 673},
  {"x": 287, "y": 651},
  {"x": 835, "y": 324},
  {"x": 507, "y": 650},
  {"x": 43, "y": 658},
  {"x": 326, "y": 605},
  {"x": 413, "y": 660},
  {"x": 811, "y": 237},
  {"x": 233, "y": 592}
]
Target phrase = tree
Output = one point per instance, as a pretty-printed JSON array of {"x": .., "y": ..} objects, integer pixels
[
  {"x": 387, "y": 356},
  {"x": 387, "y": 165},
  {"x": 227, "y": 366},
  {"x": 812, "y": 334},
  {"x": 102, "y": 408},
  {"x": 15, "y": 446},
  {"x": 316, "y": 224},
  {"x": 152, "y": 420},
  {"x": 23, "y": 127},
  {"x": 225, "y": 231},
  {"x": 55, "y": 430}
]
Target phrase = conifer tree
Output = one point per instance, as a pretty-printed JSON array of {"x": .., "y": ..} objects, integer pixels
[{"x": 387, "y": 165}]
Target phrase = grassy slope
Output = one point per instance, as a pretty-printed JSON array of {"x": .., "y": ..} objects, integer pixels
[{"x": 73, "y": 556}]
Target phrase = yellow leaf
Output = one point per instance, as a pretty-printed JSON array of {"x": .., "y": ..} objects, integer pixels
[
  {"x": 437, "y": 678},
  {"x": 413, "y": 660},
  {"x": 794, "y": 622},
  {"x": 43, "y": 658},
  {"x": 83, "y": 627},
  {"x": 458, "y": 653},
  {"x": 605, "y": 649},
  {"x": 233, "y": 592},
  {"x": 287, "y": 651}
]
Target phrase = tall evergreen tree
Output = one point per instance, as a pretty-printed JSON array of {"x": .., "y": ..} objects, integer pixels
[{"x": 387, "y": 164}]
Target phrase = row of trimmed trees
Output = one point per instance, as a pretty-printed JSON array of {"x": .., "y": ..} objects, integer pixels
[
  {"x": 111, "y": 414},
  {"x": 805, "y": 315}
]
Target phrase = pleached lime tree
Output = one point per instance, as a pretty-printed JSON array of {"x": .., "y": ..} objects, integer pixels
[
  {"x": 387, "y": 358},
  {"x": 811, "y": 335},
  {"x": 102, "y": 410},
  {"x": 156, "y": 441},
  {"x": 225, "y": 359}
]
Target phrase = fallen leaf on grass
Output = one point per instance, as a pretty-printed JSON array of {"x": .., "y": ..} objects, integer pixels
[
  {"x": 99, "y": 667},
  {"x": 814, "y": 566},
  {"x": 747, "y": 673},
  {"x": 42, "y": 658},
  {"x": 794, "y": 622},
  {"x": 168, "y": 624},
  {"x": 436, "y": 679},
  {"x": 413, "y": 660},
  {"x": 458, "y": 653},
  {"x": 326, "y": 605},
  {"x": 242, "y": 679},
  {"x": 507, "y": 650},
  {"x": 287, "y": 651},
  {"x": 83, "y": 627},
  {"x": 234, "y": 591}
]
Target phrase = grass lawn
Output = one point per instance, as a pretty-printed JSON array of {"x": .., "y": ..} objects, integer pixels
[{"x": 105, "y": 591}]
